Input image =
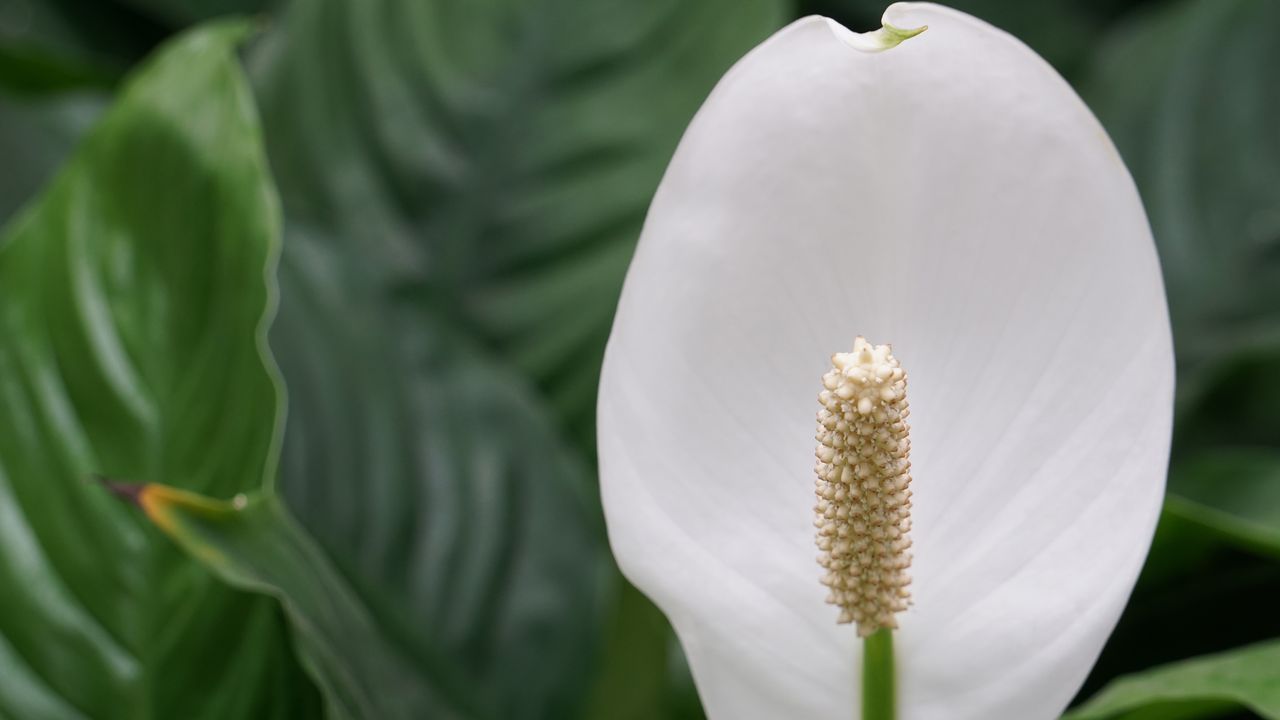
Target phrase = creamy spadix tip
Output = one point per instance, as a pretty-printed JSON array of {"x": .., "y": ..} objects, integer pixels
[{"x": 863, "y": 513}]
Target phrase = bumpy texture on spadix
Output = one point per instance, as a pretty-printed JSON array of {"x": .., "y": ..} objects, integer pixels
[{"x": 864, "y": 500}]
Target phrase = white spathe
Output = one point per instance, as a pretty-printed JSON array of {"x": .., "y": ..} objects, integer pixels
[{"x": 951, "y": 196}]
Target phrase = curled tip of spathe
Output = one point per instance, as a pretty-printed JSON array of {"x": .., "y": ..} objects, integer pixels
[
  {"x": 900, "y": 34},
  {"x": 875, "y": 41}
]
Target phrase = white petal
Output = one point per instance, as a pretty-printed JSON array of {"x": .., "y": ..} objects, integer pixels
[{"x": 952, "y": 196}]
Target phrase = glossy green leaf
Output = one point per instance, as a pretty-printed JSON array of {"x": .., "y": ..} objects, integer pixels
[
  {"x": 1189, "y": 96},
  {"x": 1205, "y": 687},
  {"x": 132, "y": 305}
]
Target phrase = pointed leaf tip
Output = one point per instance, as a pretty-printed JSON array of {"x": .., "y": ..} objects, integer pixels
[{"x": 126, "y": 491}]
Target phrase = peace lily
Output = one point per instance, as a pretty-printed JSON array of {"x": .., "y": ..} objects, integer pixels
[{"x": 949, "y": 194}]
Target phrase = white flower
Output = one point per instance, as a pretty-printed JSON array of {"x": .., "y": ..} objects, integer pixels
[{"x": 949, "y": 195}]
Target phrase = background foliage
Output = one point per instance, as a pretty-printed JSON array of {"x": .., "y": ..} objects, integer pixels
[{"x": 447, "y": 195}]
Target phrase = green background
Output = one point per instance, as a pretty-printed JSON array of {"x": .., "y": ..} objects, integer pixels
[{"x": 438, "y": 201}]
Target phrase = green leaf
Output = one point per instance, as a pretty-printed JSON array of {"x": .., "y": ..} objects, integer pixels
[
  {"x": 1189, "y": 96},
  {"x": 132, "y": 305},
  {"x": 1205, "y": 687}
]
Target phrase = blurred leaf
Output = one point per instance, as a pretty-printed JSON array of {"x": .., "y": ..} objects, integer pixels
[
  {"x": 1180, "y": 548},
  {"x": 1197, "y": 595},
  {"x": 1205, "y": 687},
  {"x": 1190, "y": 98},
  {"x": 180, "y": 13},
  {"x": 54, "y": 45},
  {"x": 495, "y": 159},
  {"x": 131, "y": 322},
  {"x": 1231, "y": 402},
  {"x": 253, "y": 543},
  {"x": 1232, "y": 492},
  {"x": 35, "y": 137},
  {"x": 473, "y": 178},
  {"x": 1188, "y": 95},
  {"x": 441, "y": 492},
  {"x": 34, "y": 71},
  {"x": 633, "y": 683},
  {"x": 1225, "y": 471}
]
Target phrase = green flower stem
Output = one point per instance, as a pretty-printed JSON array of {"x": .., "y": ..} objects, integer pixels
[{"x": 879, "y": 687}]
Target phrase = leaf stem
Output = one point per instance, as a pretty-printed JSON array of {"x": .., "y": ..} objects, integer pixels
[{"x": 879, "y": 687}]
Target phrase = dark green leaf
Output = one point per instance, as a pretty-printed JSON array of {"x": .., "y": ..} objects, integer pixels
[
  {"x": 635, "y": 680},
  {"x": 1191, "y": 574},
  {"x": 1231, "y": 402},
  {"x": 180, "y": 13},
  {"x": 1232, "y": 492},
  {"x": 35, "y": 71},
  {"x": 495, "y": 160},
  {"x": 1187, "y": 92},
  {"x": 440, "y": 490},
  {"x": 53, "y": 45},
  {"x": 132, "y": 299},
  {"x": 1205, "y": 687},
  {"x": 1225, "y": 473}
]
